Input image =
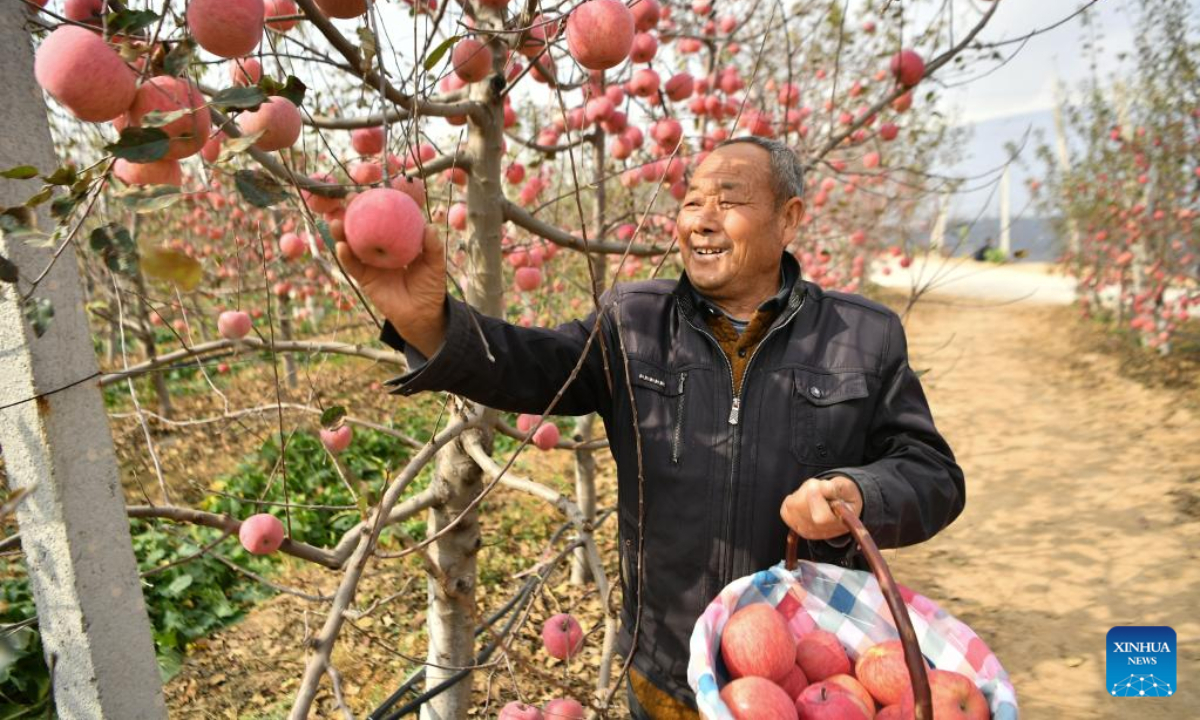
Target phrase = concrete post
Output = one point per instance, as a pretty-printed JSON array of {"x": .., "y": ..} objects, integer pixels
[
  {"x": 73, "y": 527},
  {"x": 937, "y": 236},
  {"x": 1006, "y": 213}
]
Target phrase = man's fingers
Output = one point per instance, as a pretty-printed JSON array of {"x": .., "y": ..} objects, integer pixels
[
  {"x": 348, "y": 260},
  {"x": 432, "y": 248},
  {"x": 818, "y": 506}
]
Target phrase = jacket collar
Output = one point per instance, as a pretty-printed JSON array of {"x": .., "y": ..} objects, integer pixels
[{"x": 790, "y": 296}]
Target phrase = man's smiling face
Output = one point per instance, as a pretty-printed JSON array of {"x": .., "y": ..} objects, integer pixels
[{"x": 730, "y": 232}]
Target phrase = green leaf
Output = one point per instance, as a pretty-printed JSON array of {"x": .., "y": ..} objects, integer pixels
[
  {"x": 65, "y": 175},
  {"x": 63, "y": 207},
  {"x": 170, "y": 662},
  {"x": 292, "y": 89},
  {"x": 367, "y": 48},
  {"x": 40, "y": 196},
  {"x": 20, "y": 172},
  {"x": 179, "y": 584},
  {"x": 38, "y": 313},
  {"x": 238, "y": 145},
  {"x": 8, "y": 270},
  {"x": 129, "y": 21},
  {"x": 172, "y": 266},
  {"x": 332, "y": 417},
  {"x": 151, "y": 198},
  {"x": 435, "y": 57},
  {"x": 177, "y": 61},
  {"x": 99, "y": 240},
  {"x": 20, "y": 224},
  {"x": 16, "y": 219},
  {"x": 326, "y": 235},
  {"x": 258, "y": 188},
  {"x": 140, "y": 145},
  {"x": 239, "y": 98},
  {"x": 115, "y": 246},
  {"x": 157, "y": 119}
]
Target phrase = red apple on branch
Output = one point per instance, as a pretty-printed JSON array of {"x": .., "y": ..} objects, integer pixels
[
  {"x": 562, "y": 636},
  {"x": 261, "y": 534},
  {"x": 520, "y": 711},
  {"x": 232, "y": 324},
  {"x": 600, "y": 34}
]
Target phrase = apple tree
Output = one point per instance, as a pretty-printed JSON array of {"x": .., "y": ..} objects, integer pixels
[{"x": 219, "y": 148}]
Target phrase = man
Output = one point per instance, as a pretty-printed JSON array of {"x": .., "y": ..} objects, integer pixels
[
  {"x": 758, "y": 399},
  {"x": 981, "y": 255}
]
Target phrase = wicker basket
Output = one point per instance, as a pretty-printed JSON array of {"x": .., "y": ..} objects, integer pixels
[{"x": 862, "y": 609}]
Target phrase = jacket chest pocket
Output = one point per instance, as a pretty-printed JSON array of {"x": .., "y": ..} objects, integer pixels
[
  {"x": 661, "y": 398},
  {"x": 830, "y": 417}
]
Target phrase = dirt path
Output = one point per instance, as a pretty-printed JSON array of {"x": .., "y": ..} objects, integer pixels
[{"x": 1083, "y": 505}]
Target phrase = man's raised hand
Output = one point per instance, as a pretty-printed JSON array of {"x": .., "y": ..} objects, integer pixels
[{"x": 412, "y": 297}]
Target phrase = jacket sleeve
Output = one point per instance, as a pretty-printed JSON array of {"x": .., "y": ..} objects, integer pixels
[
  {"x": 508, "y": 367},
  {"x": 911, "y": 485}
]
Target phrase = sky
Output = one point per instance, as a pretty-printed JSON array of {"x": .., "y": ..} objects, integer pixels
[
  {"x": 1003, "y": 103},
  {"x": 1026, "y": 83}
]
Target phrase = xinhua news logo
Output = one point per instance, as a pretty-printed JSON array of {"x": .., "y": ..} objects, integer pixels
[{"x": 1141, "y": 662}]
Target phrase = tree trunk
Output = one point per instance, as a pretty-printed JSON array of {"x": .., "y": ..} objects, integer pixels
[
  {"x": 585, "y": 460},
  {"x": 452, "y": 611},
  {"x": 451, "y": 586},
  {"x": 585, "y": 493}
]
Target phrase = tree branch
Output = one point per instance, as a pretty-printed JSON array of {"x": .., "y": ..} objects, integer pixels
[
  {"x": 899, "y": 90},
  {"x": 251, "y": 343},
  {"x": 521, "y": 217},
  {"x": 506, "y": 429},
  {"x": 372, "y": 78},
  {"x": 304, "y": 551}
]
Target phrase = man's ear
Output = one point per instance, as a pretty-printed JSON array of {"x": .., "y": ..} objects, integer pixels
[{"x": 791, "y": 214}]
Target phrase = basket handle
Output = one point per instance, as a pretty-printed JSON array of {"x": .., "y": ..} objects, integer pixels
[{"x": 891, "y": 593}]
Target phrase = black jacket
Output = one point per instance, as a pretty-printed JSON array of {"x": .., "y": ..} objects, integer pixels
[{"x": 829, "y": 389}]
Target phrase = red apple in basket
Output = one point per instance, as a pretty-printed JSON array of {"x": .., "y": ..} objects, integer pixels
[
  {"x": 857, "y": 690},
  {"x": 820, "y": 655},
  {"x": 756, "y": 698},
  {"x": 891, "y": 712},
  {"x": 955, "y": 697},
  {"x": 881, "y": 669},
  {"x": 756, "y": 641},
  {"x": 829, "y": 701},
  {"x": 794, "y": 683}
]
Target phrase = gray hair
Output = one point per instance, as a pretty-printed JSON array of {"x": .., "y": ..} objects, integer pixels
[{"x": 787, "y": 172}]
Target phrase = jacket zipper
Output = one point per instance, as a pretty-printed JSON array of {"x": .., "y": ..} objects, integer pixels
[
  {"x": 735, "y": 412},
  {"x": 678, "y": 420}
]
